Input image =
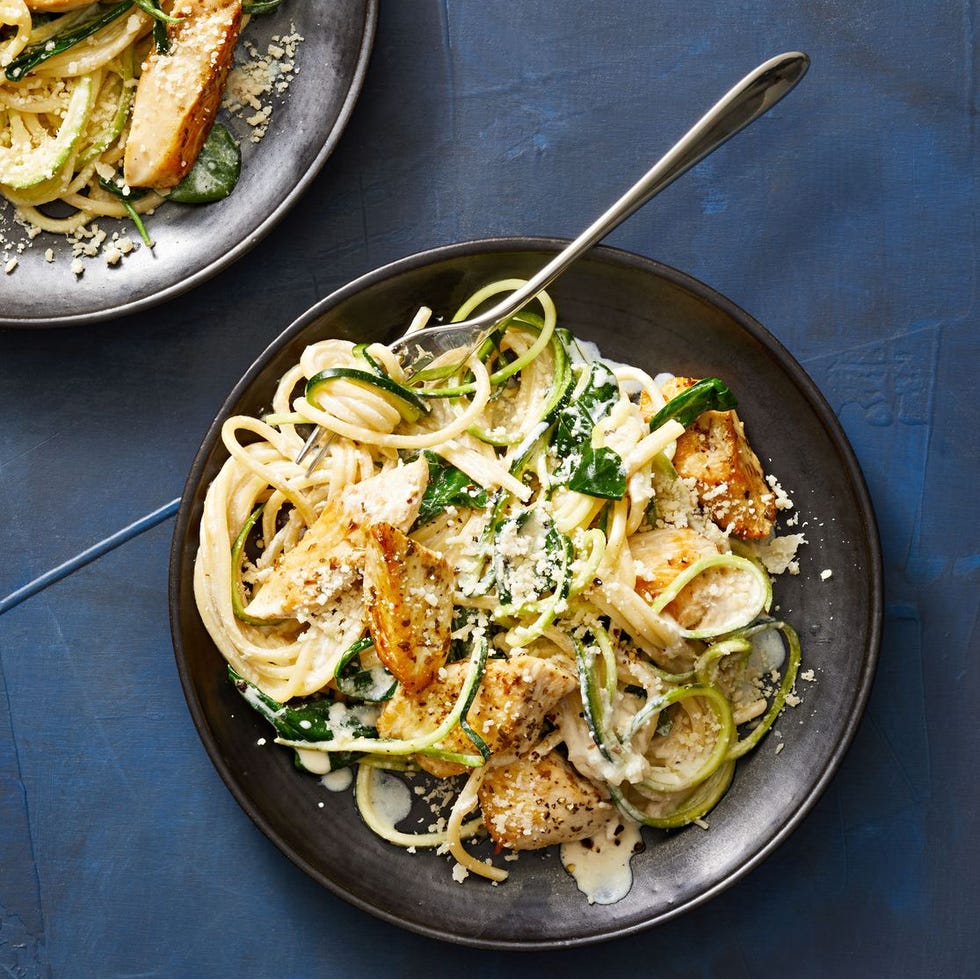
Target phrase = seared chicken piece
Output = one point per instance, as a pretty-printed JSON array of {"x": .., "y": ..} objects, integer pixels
[
  {"x": 328, "y": 562},
  {"x": 730, "y": 482},
  {"x": 393, "y": 496},
  {"x": 408, "y": 591},
  {"x": 507, "y": 712},
  {"x": 535, "y": 802},
  {"x": 660, "y": 556},
  {"x": 179, "y": 92}
]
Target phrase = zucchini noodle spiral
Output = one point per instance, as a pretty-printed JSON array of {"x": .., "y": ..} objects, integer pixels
[{"x": 574, "y": 545}]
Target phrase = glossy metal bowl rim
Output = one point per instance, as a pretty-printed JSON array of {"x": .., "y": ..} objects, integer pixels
[{"x": 621, "y": 258}]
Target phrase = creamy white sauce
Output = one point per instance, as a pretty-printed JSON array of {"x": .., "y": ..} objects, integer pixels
[
  {"x": 390, "y": 798},
  {"x": 317, "y": 762},
  {"x": 601, "y": 865},
  {"x": 768, "y": 651},
  {"x": 337, "y": 781}
]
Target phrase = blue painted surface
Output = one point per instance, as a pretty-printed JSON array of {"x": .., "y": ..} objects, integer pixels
[{"x": 845, "y": 220}]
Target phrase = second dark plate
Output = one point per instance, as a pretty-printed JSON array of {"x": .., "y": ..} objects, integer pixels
[{"x": 194, "y": 243}]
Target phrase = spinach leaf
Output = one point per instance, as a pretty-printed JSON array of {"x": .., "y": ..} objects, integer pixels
[
  {"x": 575, "y": 421},
  {"x": 710, "y": 394},
  {"x": 373, "y": 684},
  {"x": 600, "y": 473},
  {"x": 260, "y": 7},
  {"x": 215, "y": 171},
  {"x": 448, "y": 486},
  {"x": 595, "y": 471},
  {"x": 318, "y": 718}
]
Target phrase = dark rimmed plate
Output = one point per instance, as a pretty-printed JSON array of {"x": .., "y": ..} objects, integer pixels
[
  {"x": 640, "y": 312},
  {"x": 194, "y": 243}
]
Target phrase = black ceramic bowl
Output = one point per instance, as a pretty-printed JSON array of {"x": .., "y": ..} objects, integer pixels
[{"x": 653, "y": 316}]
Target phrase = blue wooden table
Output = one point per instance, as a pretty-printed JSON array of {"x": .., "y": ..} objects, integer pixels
[{"x": 845, "y": 221}]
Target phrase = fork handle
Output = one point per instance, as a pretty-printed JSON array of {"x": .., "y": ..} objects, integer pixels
[{"x": 754, "y": 95}]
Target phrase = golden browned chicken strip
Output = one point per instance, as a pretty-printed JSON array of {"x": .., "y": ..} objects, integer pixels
[
  {"x": 408, "y": 592},
  {"x": 328, "y": 561},
  {"x": 730, "y": 482},
  {"x": 179, "y": 93}
]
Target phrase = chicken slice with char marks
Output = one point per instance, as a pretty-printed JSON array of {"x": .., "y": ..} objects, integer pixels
[
  {"x": 179, "y": 92},
  {"x": 328, "y": 562},
  {"x": 731, "y": 484},
  {"x": 408, "y": 592}
]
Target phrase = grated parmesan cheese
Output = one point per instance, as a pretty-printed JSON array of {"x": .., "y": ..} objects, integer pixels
[{"x": 251, "y": 82}]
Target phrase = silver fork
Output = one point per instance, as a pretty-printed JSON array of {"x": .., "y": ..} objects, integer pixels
[{"x": 750, "y": 98}]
